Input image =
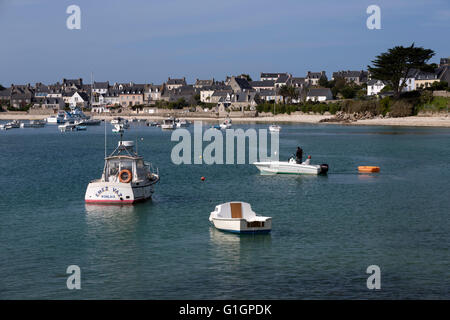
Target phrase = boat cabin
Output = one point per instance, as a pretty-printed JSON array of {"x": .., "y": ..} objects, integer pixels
[{"x": 124, "y": 165}]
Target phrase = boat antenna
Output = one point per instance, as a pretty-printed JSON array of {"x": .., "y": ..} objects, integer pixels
[{"x": 105, "y": 136}]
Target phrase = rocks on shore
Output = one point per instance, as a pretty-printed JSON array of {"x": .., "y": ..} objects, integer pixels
[{"x": 351, "y": 117}]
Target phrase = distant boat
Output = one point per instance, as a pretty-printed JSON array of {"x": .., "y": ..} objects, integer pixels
[
  {"x": 67, "y": 127},
  {"x": 181, "y": 123},
  {"x": 168, "y": 124},
  {"x": 118, "y": 128},
  {"x": 226, "y": 124},
  {"x": 59, "y": 118},
  {"x": 33, "y": 124},
  {"x": 274, "y": 128},
  {"x": 14, "y": 124},
  {"x": 238, "y": 217}
]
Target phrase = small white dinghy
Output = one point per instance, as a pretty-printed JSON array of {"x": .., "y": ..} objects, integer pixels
[
  {"x": 274, "y": 128},
  {"x": 238, "y": 217},
  {"x": 291, "y": 167}
]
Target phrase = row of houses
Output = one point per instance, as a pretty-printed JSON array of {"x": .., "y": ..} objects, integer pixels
[
  {"x": 234, "y": 92},
  {"x": 415, "y": 79}
]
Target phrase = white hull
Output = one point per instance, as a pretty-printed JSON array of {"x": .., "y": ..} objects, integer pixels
[
  {"x": 117, "y": 192},
  {"x": 280, "y": 167},
  {"x": 168, "y": 126},
  {"x": 241, "y": 225}
]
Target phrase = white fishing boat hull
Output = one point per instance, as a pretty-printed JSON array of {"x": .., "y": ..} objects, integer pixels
[
  {"x": 117, "y": 193},
  {"x": 168, "y": 126},
  {"x": 284, "y": 167}
]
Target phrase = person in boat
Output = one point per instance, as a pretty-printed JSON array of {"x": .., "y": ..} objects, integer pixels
[{"x": 299, "y": 155}]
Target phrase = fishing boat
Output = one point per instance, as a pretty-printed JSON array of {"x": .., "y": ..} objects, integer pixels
[
  {"x": 274, "y": 128},
  {"x": 126, "y": 178},
  {"x": 168, "y": 124},
  {"x": 238, "y": 217},
  {"x": 291, "y": 167}
]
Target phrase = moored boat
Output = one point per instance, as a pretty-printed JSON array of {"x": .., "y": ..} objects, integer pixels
[
  {"x": 33, "y": 124},
  {"x": 168, "y": 124},
  {"x": 126, "y": 178},
  {"x": 368, "y": 169},
  {"x": 238, "y": 217},
  {"x": 274, "y": 128}
]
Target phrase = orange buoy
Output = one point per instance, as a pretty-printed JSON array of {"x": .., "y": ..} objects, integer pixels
[
  {"x": 203, "y": 178},
  {"x": 368, "y": 169}
]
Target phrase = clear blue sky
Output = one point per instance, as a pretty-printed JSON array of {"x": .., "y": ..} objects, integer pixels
[{"x": 147, "y": 41}]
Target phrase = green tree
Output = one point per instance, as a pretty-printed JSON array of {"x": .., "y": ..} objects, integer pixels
[
  {"x": 288, "y": 92},
  {"x": 323, "y": 82},
  {"x": 2, "y": 87},
  {"x": 246, "y": 76},
  {"x": 394, "y": 65}
]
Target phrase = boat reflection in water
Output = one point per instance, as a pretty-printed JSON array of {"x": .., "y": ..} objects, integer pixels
[{"x": 231, "y": 249}]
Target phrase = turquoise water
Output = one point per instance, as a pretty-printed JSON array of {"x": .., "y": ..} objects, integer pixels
[{"x": 326, "y": 230}]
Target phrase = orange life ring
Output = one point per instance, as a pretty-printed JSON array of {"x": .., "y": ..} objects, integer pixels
[{"x": 129, "y": 176}]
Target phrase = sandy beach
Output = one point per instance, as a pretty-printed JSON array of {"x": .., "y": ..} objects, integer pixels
[{"x": 415, "y": 121}]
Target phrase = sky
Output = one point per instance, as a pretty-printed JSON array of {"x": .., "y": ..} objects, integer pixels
[{"x": 147, "y": 41}]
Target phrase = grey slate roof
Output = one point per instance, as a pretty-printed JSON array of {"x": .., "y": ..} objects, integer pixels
[{"x": 319, "y": 92}]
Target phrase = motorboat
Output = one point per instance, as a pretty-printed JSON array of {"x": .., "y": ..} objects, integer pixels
[
  {"x": 126, "y": 178},
  {"x": 13, "y": 124},
  {"x": 226, "y": 124},
  {"x": 238, "y": 217},
  {"x": 168, "y": 124},
  {"x": 291, "y": 167},
  {"x": 33, "y": 124},
  {"x": 181, "y": 123},
  {"x": 67, "y": 127},
  {"x": 118, "y": 128},
  {"x": 5, "y": 127},
  {"x": 121, "y": 121},
  {"x": 274, "y": 128}
]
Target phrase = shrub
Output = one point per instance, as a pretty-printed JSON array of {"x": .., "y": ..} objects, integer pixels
[{"x": 401, "y": 108}]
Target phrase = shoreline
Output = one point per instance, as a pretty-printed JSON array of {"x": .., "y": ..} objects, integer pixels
[{"x": 413, "y": 121}]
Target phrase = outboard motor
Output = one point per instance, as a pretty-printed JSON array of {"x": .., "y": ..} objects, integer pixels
[{"x": 323, "y": 168}]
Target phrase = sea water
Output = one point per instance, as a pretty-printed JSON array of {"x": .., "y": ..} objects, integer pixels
[{"x": 326, "y": 229}]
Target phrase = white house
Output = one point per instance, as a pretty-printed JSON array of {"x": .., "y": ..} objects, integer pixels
[
  {"x": 100, "y": 87},
  {"x": 374, "y": 87},
  {"x": 319, "y": 94},
  {"x": 79, "y": 99}
]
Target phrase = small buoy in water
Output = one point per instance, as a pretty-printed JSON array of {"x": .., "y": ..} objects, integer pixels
[
  {"x": 368, "y": 169},
  {"x": 203, "y": 178}
]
